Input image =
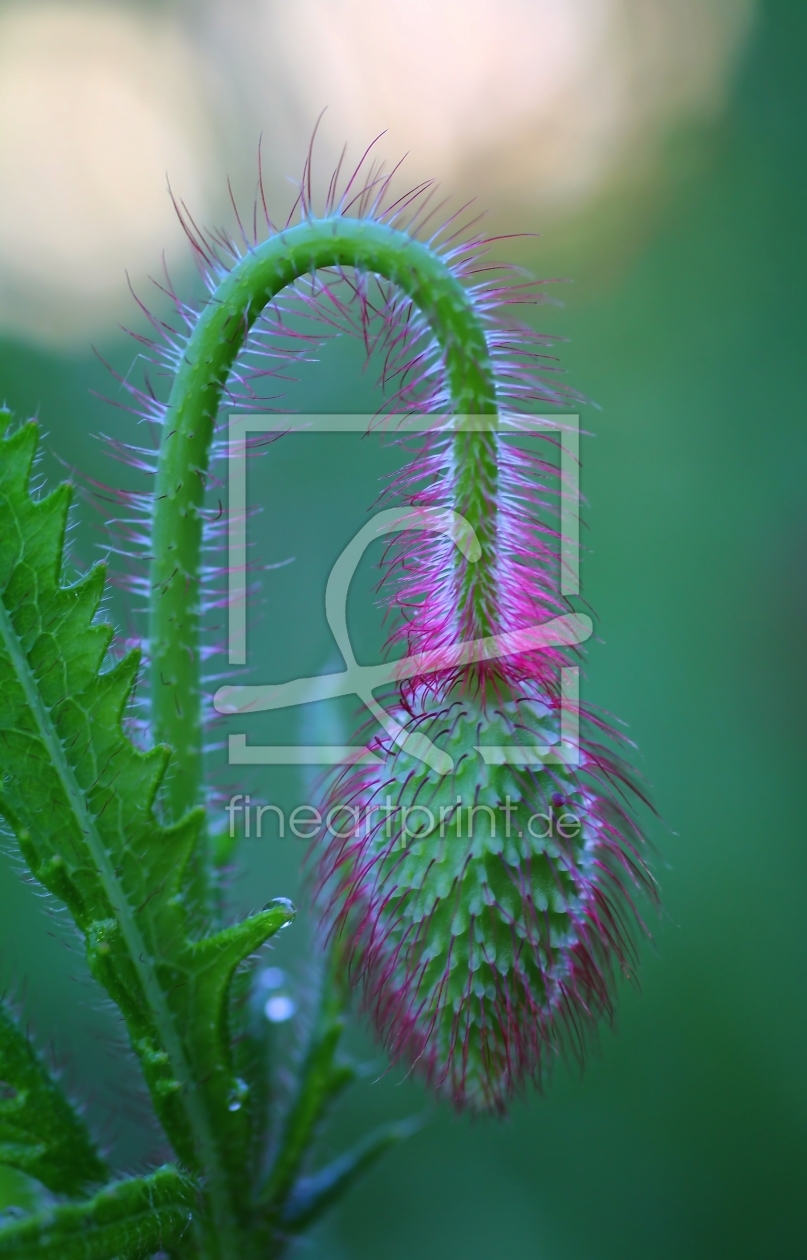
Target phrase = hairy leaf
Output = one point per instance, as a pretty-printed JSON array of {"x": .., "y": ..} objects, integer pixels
[
  {"x": 81, "y": 801},
  {"x": 130, "y": 1219},
  {"x": 292, "y": 1201},
  {"x": 312, "y": 1196},
  {"x": 322, "y": 1077},
  {"x": 40, "y": 1132}
]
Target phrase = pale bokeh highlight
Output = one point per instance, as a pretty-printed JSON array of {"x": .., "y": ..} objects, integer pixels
[
  {"x": 96, "y": 105},
  {"x": 535, "y": 99},
  {"x": 534, "y": 106}
]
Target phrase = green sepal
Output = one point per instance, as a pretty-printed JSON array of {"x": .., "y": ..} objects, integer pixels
[
  {"x": 40, "y": 1132},
  {"x": 312, "y": 1196},
  {"x": 130, "y": 1220}
]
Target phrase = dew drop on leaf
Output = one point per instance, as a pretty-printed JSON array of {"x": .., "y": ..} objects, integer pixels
[
  {"x": 238, "y": 1095},
  {"x": 280, "y": 903}
]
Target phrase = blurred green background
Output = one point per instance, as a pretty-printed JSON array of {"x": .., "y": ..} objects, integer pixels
[{"x": 686, "y": 1136}]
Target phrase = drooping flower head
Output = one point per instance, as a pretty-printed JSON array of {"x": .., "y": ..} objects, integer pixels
[
  {"x": 484, "y": 910},
  {"x": 484, "y": 899},
  {"x": 480, "y": 871}
]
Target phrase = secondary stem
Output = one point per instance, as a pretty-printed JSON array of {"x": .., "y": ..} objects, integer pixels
[{"x": 209, "y": 356}]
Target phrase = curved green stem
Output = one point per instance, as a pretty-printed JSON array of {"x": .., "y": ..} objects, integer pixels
[{"x": 188, "y": 430}]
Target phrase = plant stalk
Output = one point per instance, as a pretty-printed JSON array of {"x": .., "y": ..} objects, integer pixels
[{"x": 212, "y": 348}]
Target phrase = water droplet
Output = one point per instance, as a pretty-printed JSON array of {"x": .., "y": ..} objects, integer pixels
[
  {"x": 238, "y": 1095},
  {"x": 271, "y": 978},
  {"x": 281, "y": 903},
  {"x": 280, "y": 1008}
]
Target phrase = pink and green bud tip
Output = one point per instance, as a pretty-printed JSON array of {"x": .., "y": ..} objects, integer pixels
[{"x": 485, "y": 910}]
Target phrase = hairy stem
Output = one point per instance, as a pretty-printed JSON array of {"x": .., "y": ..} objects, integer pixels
[{"x": 188, "y": 430}]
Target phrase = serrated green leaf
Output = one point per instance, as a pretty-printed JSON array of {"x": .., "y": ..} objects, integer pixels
[
  {"x": 40, "y": 1132},
  {"x": 81, "y": 801},
  {"x": 130, "y": 1220},
  {"x": 312, "y": 1196}
]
